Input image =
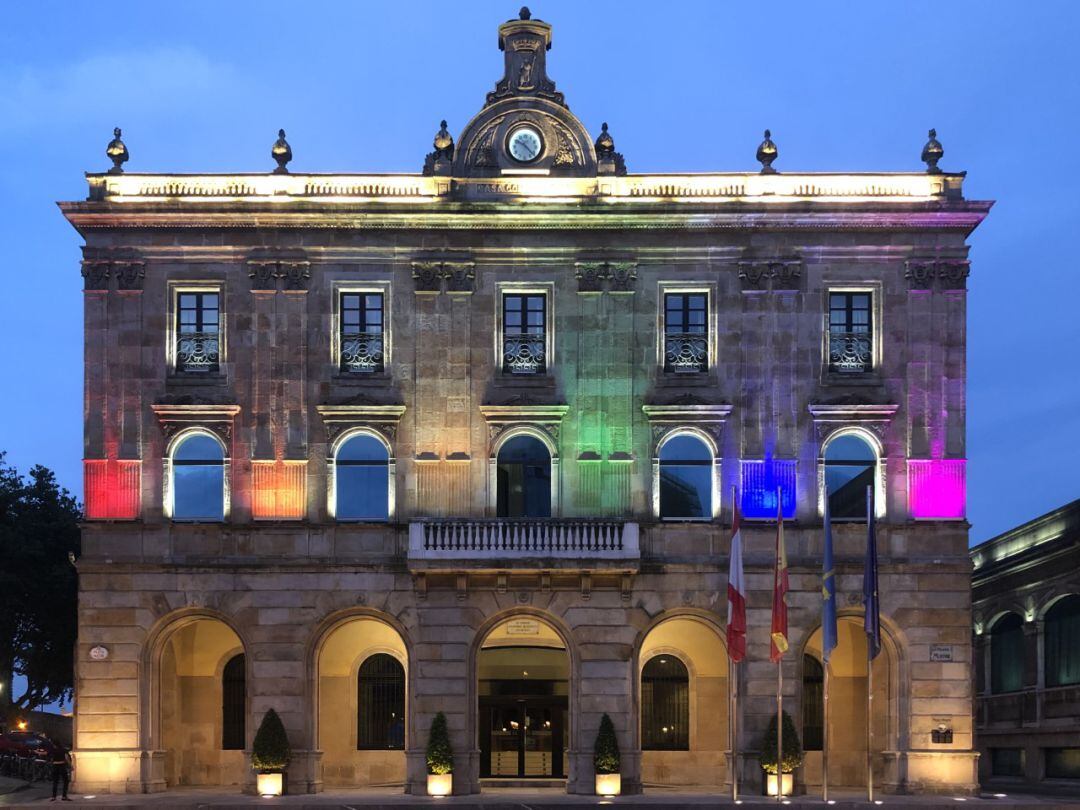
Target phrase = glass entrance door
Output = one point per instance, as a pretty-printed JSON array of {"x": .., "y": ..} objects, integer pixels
[{"x": 522, "y": 737}]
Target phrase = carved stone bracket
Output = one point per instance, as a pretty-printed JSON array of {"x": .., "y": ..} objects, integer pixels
[
  {"x": 686, "y": 412},
  {"x": 935, "y": 273},
  {"x": 763, "y": 275},
  {"x": 213, "y": 417},
  {"x": 98, "y": 267},
  {"x": 458, "y": 276},
  {"x": 597, "y": 276},
  {"x": 269, "y": 268},
  {"x": 383, "y": 419}
]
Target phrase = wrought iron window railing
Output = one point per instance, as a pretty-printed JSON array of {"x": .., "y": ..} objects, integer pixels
[
  {"x": 851, "y": 352},
  {"x": 525, "y": 352},
  {"x": 686, "y": 352},
  {"x": 362, "y": 352},
  {"x": 197, "y": 352}
]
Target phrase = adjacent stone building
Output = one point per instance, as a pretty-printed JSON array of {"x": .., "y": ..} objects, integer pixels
[
  {"x": 364, "y": 448},
  {"x": 1026, "y": 603}
]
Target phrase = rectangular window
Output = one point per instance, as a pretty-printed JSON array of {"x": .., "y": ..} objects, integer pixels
[
  {"x": 1007, "y": 762},
  {"x": 198, "y": 331},
  {"x": 362, "y": 338},
  {"x": 686, "y": 333},
  {"x": 524, "y": 343},
  {"x": 1062, "y": 763},
  {"x": 851, "y": 337}
]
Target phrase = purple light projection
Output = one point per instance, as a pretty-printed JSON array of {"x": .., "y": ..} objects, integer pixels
[{"x": 937, "y": 488}]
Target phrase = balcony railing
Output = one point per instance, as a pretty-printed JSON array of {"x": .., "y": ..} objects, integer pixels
[
  {"x": 850, "y": 352},
  {"x": 197, "y": 352},
  {"x": 362, "y": 352},
  {"x": 524, "y": 353},
  {"x": 1029, "y": 707},
  {"x": 686, "y": 352},
  {"x": 523, "y": 539}
]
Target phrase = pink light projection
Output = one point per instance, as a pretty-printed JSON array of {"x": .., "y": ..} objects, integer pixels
[{"x": 937, "y": 488}]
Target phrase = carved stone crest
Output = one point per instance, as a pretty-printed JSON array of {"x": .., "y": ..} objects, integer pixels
[
  {"x": 267, "y": 267},
  {"x": 95, "y": 274},
  {"x": 931, "y": 273},
  {"x": 770, "y": 274},
  {"x": 459, "y": 276},
  {"x": 596, "y": 276}
]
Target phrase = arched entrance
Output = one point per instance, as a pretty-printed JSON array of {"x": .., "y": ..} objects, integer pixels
[
  {"x": 361, "y": 669},
  {"x": 202, "y": 704},
  {"x": 683, "y": 711},
  {"x": 523, "y": 688},
  {"x": 847, "y": 701}
]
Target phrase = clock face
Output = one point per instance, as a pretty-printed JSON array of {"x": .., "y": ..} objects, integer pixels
[{"x": 524, "y": 144}]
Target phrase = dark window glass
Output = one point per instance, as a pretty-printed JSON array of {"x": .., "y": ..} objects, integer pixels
[
  {"x": 198, "y": 469},
  {"x": 850, "y": 464},
  {"x": 1007, "y": 762},
  {"x": 665, "y": 705},
  {"x": 524, "y": 479},
  {"x": 686, "y": 479},
  {"x": 813, "y": 703},
  {"x": 362, "y": 480},
  {"x": 686, "y": 333},
  {"x": 380, "y": 704},
  {"x": 1062, "y": 763},
  {"x": 197, "y": 332},
  {"x": 524, "y": 333},
  {"x": 850, "y": 333},
  {"x": 1062, "y": 642},
  {"x": 233, "y": 704},
  {"x": 1007, "y": 654},
  {"x": 361, "y": 332}
]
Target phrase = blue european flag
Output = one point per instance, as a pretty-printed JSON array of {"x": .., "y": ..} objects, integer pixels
[
  {"x": 828, "y": 592},
  {"x": 872, "y": 620}
]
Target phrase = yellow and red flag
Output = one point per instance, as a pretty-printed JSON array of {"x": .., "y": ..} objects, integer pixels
[{"x": 779, "y": 633}]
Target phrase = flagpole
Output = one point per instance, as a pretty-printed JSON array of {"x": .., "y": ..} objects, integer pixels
[
  {"x": 733, "y": 691},
  {"x": 869, "y": 667},
  {"x": 825, "y": 737},
  {"x": 779, "y": 672}
]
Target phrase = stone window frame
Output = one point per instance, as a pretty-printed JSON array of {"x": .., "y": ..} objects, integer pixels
[
  {"x": 174, "y": 288},
  {"x": 512, "y": 432},
  {"x": 877, "y": 448},
  {"x": 664, "y": 287},
  {"x": 168, "y": 488},
  {"x": 716, "y": 470},
  {"x": 874, "y": 289},
  {"x": 545, "y": 288},
  {"x": 391, "y": 472},
  {"x": 691, "y": 697},
  {"x": 346, "y": 286}
]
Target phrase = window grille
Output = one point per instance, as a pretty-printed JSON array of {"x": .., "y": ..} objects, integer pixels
[
  {"x": 851, "y": 341},
  {"x": 665, "y": 705},
  {"x": 380, "y": 704},
  {"x": 524, "y": 333},
  {"x": 813, "y": 704},
  {"x": 361, "y": 339},
  {"x": 686, "y": 333},
  {"x": 198, "y": 332},
  {"x": 233, "y": 704}
]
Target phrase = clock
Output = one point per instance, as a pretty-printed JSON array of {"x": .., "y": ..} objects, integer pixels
[{"x": 524, "y": 144}]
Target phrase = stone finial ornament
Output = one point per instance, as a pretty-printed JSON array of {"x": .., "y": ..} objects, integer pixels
[
  {"x": 767, "y": 153},
  {"x": 524, "y": 14},
  {"x": 932, "y": 153},
  {"x": 281, "y": 152},
  {"x": 117, "y": 152},
  {"x": 443, "y": 143},
  {"x": 605, "y": 144}
]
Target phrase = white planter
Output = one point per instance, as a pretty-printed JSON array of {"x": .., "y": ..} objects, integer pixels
[
  {"x": 268, "y": 784},
  {"x": 440, "y": 784},
  {"x": 770, "y": 783},
  {"x": 608, "y": 784}
]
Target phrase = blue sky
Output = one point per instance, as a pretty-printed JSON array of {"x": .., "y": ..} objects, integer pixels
[{"x": 204, "y": 86}]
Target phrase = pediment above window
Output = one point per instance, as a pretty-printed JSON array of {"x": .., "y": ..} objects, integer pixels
[
  {"x": 524, "y": 411},
  {"x": 850, "y": 413},
  {"x": 379, "y": 417},
  {"x": 189, "y": 412},
  {"x": 684, "y": 412}
]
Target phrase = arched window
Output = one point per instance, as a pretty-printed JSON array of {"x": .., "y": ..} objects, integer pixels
[
  {"x": 813, "y": 703},
  {"x": 850, "y": 467},
  {"x": 198, "y": 479},
  {"x": 362, "y": 479},
  {"x": 1007, "y": 654},
  {"x": 380, "y": 704},
  {"x": 233, "y": 704},
  {"x": 686, "y": 479},
  {"x": 665, "y": 705},
  {"x": 524, "y": 479},
  {"x": 1062, "y": 642}
]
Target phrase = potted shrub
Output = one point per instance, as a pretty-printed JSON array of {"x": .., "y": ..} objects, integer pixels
[
  {"x": 606, "y": 760},
  {"x": 792, "y": 759},
  {"x": 270, "y": 755},
  {"x": 440, "y": 759}
]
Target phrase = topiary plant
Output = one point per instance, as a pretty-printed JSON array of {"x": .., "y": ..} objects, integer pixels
[
  {"x": 440, "y": 755},
  {"x": 270, "y": 750},
  {"x": 793, "y": 753},
  {"x": 606, "y": 753}
]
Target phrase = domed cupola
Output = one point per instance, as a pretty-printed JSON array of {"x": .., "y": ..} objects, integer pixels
[{"x": 525, "y": 126}]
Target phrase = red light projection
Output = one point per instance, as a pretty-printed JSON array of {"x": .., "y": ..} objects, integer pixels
[
  {"x": 111, "y": 489},
  {"x": 278, "y": 490}
]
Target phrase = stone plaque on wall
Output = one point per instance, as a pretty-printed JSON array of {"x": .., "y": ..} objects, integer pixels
[
  {"x": 523, "y": 627},
  {"x": 941, "y": 652}
]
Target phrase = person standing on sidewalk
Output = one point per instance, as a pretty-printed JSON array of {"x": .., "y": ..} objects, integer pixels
[{"x": 61, "y": 771}]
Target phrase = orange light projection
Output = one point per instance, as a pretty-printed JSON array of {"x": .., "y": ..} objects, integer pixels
[
  {"x": 278, "y": 490},
  {"x": 111, "y": 489}
]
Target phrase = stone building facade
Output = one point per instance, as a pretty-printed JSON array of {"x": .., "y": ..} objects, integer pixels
[
  {"x": 1026, "y": 603},
  {"x": 359, "y": 448}
]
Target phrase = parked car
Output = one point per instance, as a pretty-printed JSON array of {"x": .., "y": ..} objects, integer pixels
[{"x": 25, "y": 754}]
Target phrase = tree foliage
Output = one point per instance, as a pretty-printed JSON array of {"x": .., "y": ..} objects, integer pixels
[
  {"x": 793, "y": 753},
  {"x": 606, "y": 752},
  {"x": 270, "y": 749},
  {"x": 440, "y": 755},
  {"x": 39, "y": 529}
]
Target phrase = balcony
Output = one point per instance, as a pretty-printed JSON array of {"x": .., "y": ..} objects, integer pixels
[
  {"x": 362, "y": 352},
  {"x": 523, "y": 544},
  {"x": 1051, "y": 705},
  {"x": 197, "y": 352},
  {"x": 850, "y": 352},
  {"x": 686, "y": 352},
  {"x": 525, "y": 352}
]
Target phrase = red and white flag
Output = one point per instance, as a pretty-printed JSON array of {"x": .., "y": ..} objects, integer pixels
[
  {"x": 736, "y": 593},
  {"x": 779, "y": 630}
]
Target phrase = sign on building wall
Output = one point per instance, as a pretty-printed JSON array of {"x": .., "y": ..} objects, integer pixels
[
  {"x": 523, "y": 627},
  {"x": 941, "y": 652}
]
